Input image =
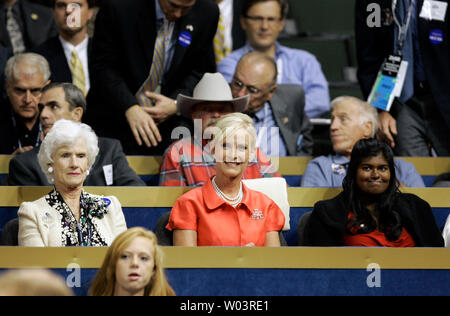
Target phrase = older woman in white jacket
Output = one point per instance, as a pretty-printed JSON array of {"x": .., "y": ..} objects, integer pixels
[{"x": 69, "y": 216}]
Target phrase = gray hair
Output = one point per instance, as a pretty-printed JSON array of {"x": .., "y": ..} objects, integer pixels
[
  {"x": 39, "y": 62},
  {"x": 73, "y": 94},
  {"x": 66, "y": 132},
  {"x": 367, "y": 112}
]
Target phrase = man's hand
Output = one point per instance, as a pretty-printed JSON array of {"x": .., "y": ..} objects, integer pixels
[
  {"x": 21, "y": 150},
  {"x": 143, "y": 126},
  {"x": 388, "y": 126},
  {"x": 164, "y": 107}
]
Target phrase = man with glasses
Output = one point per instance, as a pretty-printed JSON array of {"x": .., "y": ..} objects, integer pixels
[
  {"x": 262, "y": 21},
  {"x": 283, "y": 128},
  {"x": 26, "y": 75}
]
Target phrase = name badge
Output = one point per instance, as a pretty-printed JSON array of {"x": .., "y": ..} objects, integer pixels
[
  {"x": 108, "y": 172},
  {"x": 389, "y": 82},
  {"x": 434, "y": 10}
]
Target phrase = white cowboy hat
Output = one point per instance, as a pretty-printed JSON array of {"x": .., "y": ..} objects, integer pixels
[{"x": 211, "y": 88}]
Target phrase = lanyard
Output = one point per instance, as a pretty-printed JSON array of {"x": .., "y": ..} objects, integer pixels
[{"x": 403, "y": 29}]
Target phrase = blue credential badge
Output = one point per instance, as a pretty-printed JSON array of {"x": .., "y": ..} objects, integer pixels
[{"x": 384, "y": 88}]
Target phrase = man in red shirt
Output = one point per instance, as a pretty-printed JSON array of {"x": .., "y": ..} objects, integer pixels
[{"x": 189, "y": 162}]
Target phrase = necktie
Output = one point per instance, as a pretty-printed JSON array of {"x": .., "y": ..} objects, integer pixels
[
  {"x": 76, "y": 67},
  {"x": 15, "y": 35},
  {"x": 156, "y": 71},
  {"x": 220, "y": 49}
]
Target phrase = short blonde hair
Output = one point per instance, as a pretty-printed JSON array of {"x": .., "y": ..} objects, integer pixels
[
  {"x": 228, "y": 124},
  {"x": 66, "y": 132},
  {"x": 105, "y": 280}
]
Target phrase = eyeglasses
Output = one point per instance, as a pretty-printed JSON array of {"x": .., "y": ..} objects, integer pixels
[
  {"x": 260, "y": 19},
  {"x": 238, "y": 85}
]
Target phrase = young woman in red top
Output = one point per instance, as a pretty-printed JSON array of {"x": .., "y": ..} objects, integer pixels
[{"x": 371, "y": 211}]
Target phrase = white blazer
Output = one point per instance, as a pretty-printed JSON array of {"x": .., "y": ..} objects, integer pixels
[
  {"x": 446, "y": 232},
  {"x": 40, "y": 224}
]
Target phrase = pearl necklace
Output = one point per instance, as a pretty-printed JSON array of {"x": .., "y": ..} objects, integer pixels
[{"x": 233, "y": 201}]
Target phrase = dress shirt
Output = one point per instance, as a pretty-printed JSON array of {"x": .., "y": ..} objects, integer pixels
[
  {"x": 268, "y": 133},
  {"x": 82, "y": 52},
  {"x": 329, "y": 171},
  {"x": 295, "y": 66}
]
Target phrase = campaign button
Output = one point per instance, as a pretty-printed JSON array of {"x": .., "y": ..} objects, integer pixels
[
  {"x": 185, "y": 39},
  {"x": 436, "y": 37}
]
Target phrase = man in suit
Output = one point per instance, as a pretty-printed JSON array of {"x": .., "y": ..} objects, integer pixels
[
  {"x": 72, "y": 43},
  {"x": 277, "y": 110},
  {"x": 26, "y": 74},
  {"x": 419, "y": 119},
  {"x": 66, "y": 101},
  {"x": 124, "y": 42},
  {"x": 24, "y": 25}
]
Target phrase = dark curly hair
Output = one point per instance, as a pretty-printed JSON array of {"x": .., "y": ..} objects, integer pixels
[{"x": 362, "y": 222}]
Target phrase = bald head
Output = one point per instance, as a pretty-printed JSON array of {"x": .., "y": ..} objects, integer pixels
[
  {"x": 261, "y": 63},
  {"x": 256, "y": 74}
]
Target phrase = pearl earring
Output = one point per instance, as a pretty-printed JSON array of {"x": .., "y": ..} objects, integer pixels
[
  {"x": 50, "y": 169},
  {"x": 87, "y": 172}
]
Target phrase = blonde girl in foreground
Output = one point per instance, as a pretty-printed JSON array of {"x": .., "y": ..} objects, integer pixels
[{"x": 132, "y": 267}]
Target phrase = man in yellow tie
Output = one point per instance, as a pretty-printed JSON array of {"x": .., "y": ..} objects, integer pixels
[
  {"x": 123, "y": 78},
  {"x": 69, "y": 53}
]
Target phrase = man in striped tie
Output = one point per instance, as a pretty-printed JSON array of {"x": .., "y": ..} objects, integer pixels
[{"x": 146, "y": 52}]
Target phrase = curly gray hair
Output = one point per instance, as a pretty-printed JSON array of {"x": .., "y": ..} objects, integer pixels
[{"x": 66, "y": 132}]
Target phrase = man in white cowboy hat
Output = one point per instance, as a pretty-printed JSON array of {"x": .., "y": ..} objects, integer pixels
[{"x": 188, "y": 162}]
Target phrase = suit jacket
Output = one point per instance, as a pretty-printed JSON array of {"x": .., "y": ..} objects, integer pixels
[
  {"x": 40, "y": 224},
  {"x": 53, "y": 51},
  {"x": 328, "y": 221},
  {"x": 4, "y": 55},
  {"x": 288, "y": 108},
  {"x": 24, "y": 169},
  {"x": 38, "y": 24},
  {"x": 376, "y": 43},
  {"x": 123, "y": 44}
]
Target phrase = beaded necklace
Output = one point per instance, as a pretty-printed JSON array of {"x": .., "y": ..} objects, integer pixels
[{"x": 234, "y": 201}]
